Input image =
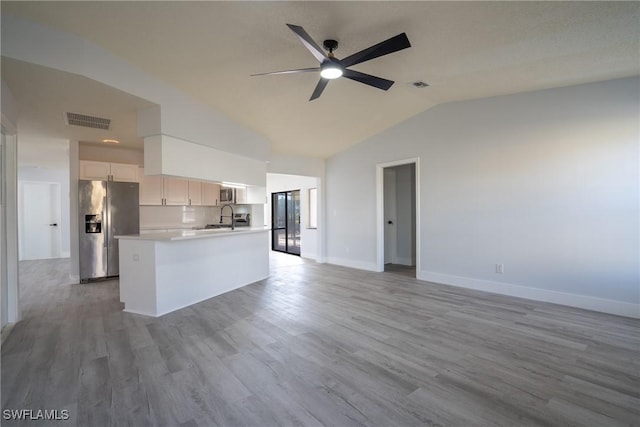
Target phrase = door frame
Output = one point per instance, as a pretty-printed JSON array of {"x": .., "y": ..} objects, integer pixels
[
  {"x": 380, "y": 210},
  {"x": 286, "y": 227}
]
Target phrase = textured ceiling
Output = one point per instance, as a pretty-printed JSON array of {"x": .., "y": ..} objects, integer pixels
[{"x": 464, "y": 50}]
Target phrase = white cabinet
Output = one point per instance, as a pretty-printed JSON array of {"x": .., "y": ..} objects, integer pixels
[
  {"x": 176, "y": 191},
  {"x": 241, "y": 196},
  {"x": 124, "y": 172},
  {"x": 151, "y": 189},
  {"x": 195, "y": 193},
  {"x": 159, "y": 190},
  {"x": 210, "y": 194},
  {"x": 94, "y": 170},
  {"x": 256, "y": 195},
  {"x": 108, "y": 171}
]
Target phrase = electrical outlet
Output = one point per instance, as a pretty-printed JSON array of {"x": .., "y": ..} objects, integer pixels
[{"x": 500, "y": 268}]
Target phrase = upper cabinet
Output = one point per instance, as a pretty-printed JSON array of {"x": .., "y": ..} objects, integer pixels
[
  {"x": 176, "y": 191},
  {"x": 210, "y": 194},
  {"x": 251, "y": 195},
  {"x": 159, "y": 190},
  {"x": 195, "y": 193},
  {"x": 151, "y": 189},
  {"x": 108, "y": 171},
  {"x": 169, "y": 191},
  {"x": 256, "y": 195}
]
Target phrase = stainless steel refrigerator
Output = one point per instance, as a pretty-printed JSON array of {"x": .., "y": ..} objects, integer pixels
[{"x": 107, "y": 209}]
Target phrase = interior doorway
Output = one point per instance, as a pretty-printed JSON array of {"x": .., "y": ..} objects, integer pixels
[
  {"x": 398, "y": 217},
  {"x": 39, "y": 212},
  {"x": 285, "y": 222}
]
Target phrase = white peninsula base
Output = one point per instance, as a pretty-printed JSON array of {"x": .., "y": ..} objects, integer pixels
[{"x": 161, "y": 273}]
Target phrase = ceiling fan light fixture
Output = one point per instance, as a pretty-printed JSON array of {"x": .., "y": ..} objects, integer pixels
[{"x": 331, "y": 72}]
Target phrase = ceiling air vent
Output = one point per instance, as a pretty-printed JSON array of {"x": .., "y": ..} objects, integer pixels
[{"x": 88, "y": 121}]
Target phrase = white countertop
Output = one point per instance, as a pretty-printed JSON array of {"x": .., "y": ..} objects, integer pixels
[
  {"x": 193, "y": 234},
  {"x": 170, "y": 227}
]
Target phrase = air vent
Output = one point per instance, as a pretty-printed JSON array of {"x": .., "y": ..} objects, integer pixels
[{"x": 88, "y": 121}]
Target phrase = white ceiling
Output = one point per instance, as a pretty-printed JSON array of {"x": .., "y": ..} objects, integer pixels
[
  {"x": 44, "y": 96},
  {"x": 464, "y": 50}
]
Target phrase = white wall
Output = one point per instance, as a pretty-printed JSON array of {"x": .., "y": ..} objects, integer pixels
[
  {"x": 280, "y": 182},
  {"x": 74, "y": 210},
  {"x": 4, "y": 284},
  {"x": 545, "y": 183},
  {"x": 296, "y": 165},
  {"x": 9, "y": 290},
  {"x": 111, "y": 154}
]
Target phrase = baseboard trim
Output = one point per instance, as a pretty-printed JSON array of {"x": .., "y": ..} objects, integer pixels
[
  {"x": 358, "y": 265},
  {"x": 572, "y": 300}
]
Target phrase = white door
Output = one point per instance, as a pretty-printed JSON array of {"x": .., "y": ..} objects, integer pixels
[
  {"x": 390, "y": 216},
  {"x": 40, "y": 221}
]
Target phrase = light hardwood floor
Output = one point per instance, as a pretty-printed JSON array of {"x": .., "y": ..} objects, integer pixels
[{"x": 321, "y": 345}]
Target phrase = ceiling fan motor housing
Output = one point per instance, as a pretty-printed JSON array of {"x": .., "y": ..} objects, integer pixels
[{"x": 330, "y": 45}]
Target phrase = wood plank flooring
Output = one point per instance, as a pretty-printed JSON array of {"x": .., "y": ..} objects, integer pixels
[{"x": 321, "y": 345}]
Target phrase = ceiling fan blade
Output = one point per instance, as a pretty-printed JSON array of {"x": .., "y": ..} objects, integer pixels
[
  {"x": 308, "y": 42},
  {"x": 299, "y": 70},
  {"x": 386, "y": 47},
  {"x": 319, "y": 88},
  {"x": 367, "y": 79}
]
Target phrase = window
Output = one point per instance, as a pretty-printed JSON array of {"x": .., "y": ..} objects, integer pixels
[{"x": 313, "y": 208}]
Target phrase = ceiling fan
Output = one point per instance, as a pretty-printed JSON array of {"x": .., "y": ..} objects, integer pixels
[{"x": 331, "y": 67}]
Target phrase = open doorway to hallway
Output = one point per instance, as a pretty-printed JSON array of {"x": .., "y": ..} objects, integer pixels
[{"x": 398, "y": 217}]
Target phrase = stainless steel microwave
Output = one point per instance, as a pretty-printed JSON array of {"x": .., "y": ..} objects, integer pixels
[{"x": 227, "y": 195}]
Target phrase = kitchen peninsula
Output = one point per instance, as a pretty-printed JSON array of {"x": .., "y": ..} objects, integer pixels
[{"x": 164, "y": 272}]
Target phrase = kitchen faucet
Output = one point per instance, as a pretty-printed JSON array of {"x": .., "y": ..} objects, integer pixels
[{"x": 233, "y": 218}]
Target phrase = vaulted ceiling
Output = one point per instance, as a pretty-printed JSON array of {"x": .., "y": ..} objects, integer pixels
[{"x": 463, "y": 50}]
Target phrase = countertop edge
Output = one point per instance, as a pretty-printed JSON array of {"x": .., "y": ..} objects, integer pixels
[{"x": 189, "y": 234}]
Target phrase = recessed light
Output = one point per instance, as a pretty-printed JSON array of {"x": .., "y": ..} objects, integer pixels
[
  {"x": 111, "y": 141},
  {"x": 420, "y": 84}
]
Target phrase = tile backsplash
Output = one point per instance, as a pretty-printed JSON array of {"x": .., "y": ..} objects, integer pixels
[
  {"x": 184, "y": 216},
  {"x": 177, "y": 216}
]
